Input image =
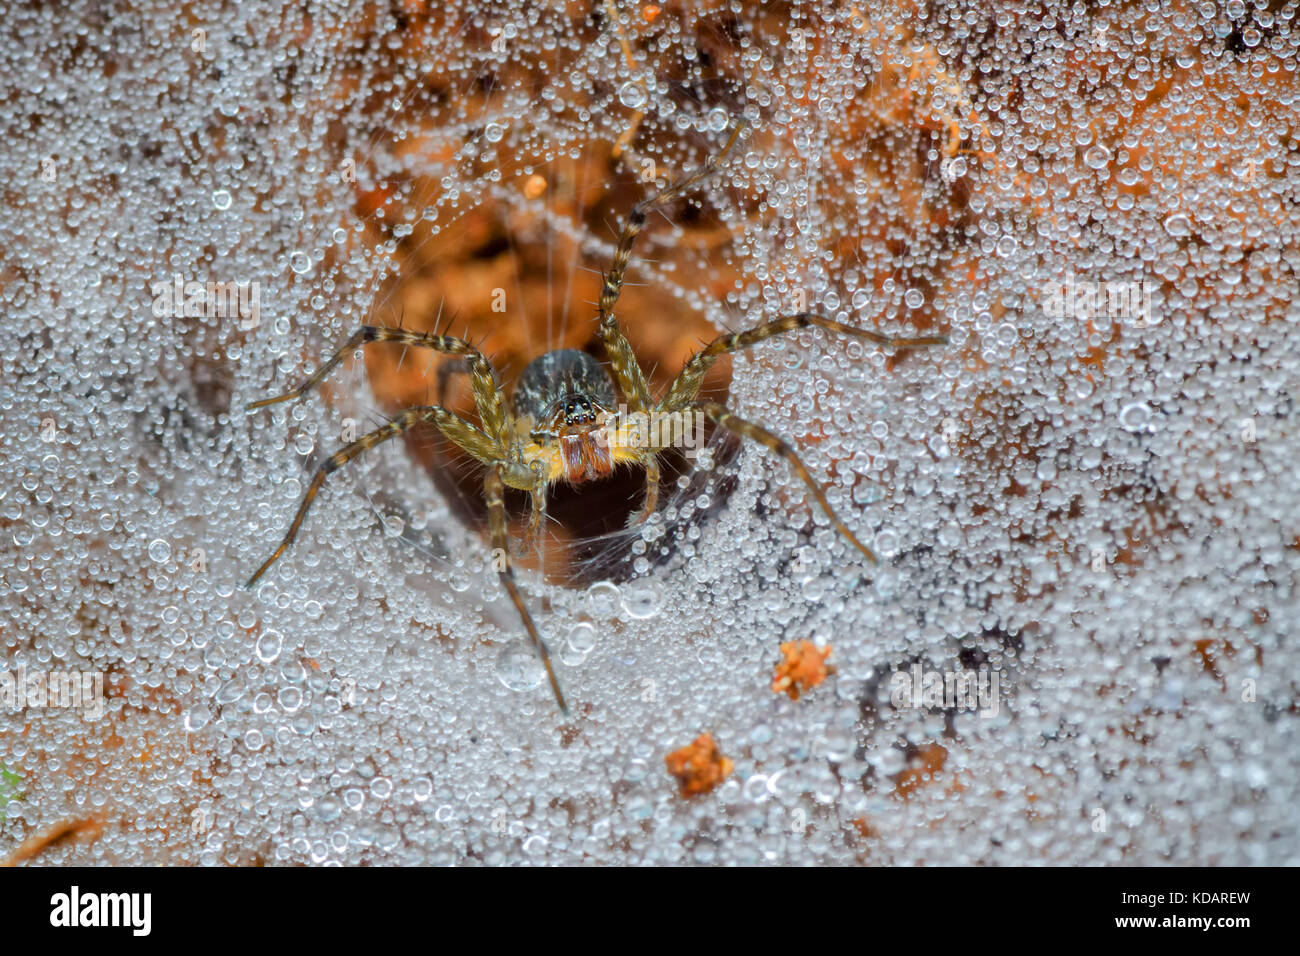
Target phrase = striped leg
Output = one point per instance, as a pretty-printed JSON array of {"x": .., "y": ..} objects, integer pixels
[
  {"x": 631, "y": 380},
  {"x": 487, "y": 392},
  {"x": 688, "y": 381},
  {"x": 627, "y": 370},
  {"x": 493, "y": 488},
  {"x": 637, "y": 217},
  {"x": 651, "y": 465},
  {"x": 459, "y": 431},
  {"x": 536, "y": 517},
  {"x": 747, "y": 429}
]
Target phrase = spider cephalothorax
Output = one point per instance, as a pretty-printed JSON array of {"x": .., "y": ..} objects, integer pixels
[
  {"x": 564, "y": 401},
  {"x": 562, "y": 424}
]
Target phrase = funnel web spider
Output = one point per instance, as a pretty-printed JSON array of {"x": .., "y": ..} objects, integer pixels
[{"x": 563, "y": 424}]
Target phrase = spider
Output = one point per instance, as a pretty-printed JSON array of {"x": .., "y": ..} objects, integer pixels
[{"x": 563, "y": 424}]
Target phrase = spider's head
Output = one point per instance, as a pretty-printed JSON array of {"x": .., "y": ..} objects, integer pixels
[
  {"x": 564, "y": 392},
  {"x": 567, "y": 396}
]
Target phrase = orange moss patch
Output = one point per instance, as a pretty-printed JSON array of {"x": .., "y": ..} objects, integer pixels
[
  {"x": 803, "y": 668},
  {"x": 699, "y": 767}
]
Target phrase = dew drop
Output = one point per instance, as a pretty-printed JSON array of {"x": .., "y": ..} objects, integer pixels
[
  {"x": 632, "y": 96},
  {"x": 1098, "y": 157},
  {"x": 268, "y": 646},
  {"x": 1134, "y": 417},
  {"x": 603, "y": 600},
  {"x": 518, "y": 667}
]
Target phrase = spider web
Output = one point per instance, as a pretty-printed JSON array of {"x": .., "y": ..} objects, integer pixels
[{"x": 1096, "y": 504}]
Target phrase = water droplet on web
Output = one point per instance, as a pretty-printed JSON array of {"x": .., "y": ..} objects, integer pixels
[
  {"x": 1097, "y": 157},
  {"x": 582, "y": 637},
  {"x": 197, "y": 717},
  {"x": 159, "y": 550},
  {"x": 268, "y": 646},
  {"x": 1178, "y": 225},
  {"x": 221, "y": 199},
  {"x": 1134, "y": 417},
  {"x": 300, "y": 262},
  {"x": 632, "y": 96},
  {"x": 641, "y": 599},
  {"x": 603, "y": 600},
  {"x": 518, "y": 667},
  {"x": 535, "y": 845},
  {"x": 885, "y": 544}
]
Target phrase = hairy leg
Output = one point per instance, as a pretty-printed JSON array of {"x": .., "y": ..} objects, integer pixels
[
  {"x": 651, "y": 503},
  {"x": 637, "y": 218},
  {"x": 747, "y": 429},
  {"x": 631, "y": 380},
  {"x": 688, "y": 381},
  {"x": 459, "y": 431},
  {"x": 487, "y": 392},
  {"x": 536, "y": 518},
  {"x": 493, "y": 489}
]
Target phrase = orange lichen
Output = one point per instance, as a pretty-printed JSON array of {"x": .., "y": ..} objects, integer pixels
[
  {"x": 699, "y": 767},
  {"x": 803, "y": 668}
]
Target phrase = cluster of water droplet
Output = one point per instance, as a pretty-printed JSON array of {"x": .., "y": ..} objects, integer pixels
[{"x": 1099, "y": 508}]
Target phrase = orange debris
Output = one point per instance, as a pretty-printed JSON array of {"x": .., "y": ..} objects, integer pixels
[
  {"x": 699, "y": 767},
  {"x": 803, "y": 668}
]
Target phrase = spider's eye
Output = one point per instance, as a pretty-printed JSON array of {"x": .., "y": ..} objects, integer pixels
[{"x": 576, "y": 410}]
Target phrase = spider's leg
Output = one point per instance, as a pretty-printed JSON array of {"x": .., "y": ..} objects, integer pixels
[
  {"x": 651, "y": 465},
  {"x": 626, "y": 370},
  {"x": 493, "y": 488},
  {"x": 747, "y": 429},
  {"x": 447, "y": 371},
  {"x": 487, "y": 393},
  {"x": 536, "y": 516},
  {"x": 637, "y": 217},
  {"x": 459, "y": 431},
  {"x": 689, "y": 380}
]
